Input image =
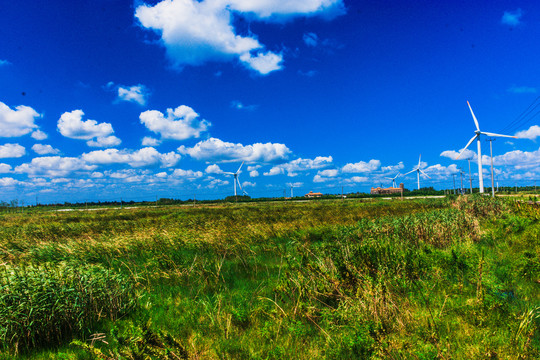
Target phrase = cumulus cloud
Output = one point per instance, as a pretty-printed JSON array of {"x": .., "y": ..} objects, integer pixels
[
  {"x": 213, "y": 169},
  {"x": 362, "y": 166},
  {"x": 136, "y": 93},
  {"x": 195, "y": 32},
  {"x": 512, "y": 18},
  {"x": 12, "y": 151},
  {"x": 248, "y": 184},
  {"x": 149, "y": 141},
  {"x": 44, "y": 149},
  {"x": 220, "y": 151},
  {"x": 293, "y": 167},
  {"x": 531, "y": 133},
  {"x": 180, "y": 124},
  {"x": 452, "y": 154},
  {"x": 439, "y": 171},
  {"x": 253, "y": 173},
  {"x": 328, "y": 173},
  {"x": 517, "y": 158},
  {"x": 39, "y": 135},
  {"x": 53, "y": 166},
  {"x": 72, "y": 126},
  {"x": 393, "y": 168},
  {"x": 143, "y": 157},
  {"x": 4, "y": 168},
  {"x": 7, "y": 181},
  {"x": 187, "y": 174},
  {"x": 18, "y": 122}
]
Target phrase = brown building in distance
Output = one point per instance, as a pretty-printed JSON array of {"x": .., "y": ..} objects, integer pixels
[
  {"x": 312, "y": 194},
  {"x": 390, "y": 190}
]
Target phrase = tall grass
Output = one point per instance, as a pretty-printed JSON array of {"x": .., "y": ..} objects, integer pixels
[{"x": 336, "y": 280}]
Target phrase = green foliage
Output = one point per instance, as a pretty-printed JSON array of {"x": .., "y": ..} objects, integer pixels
[{"x": 46, "y": 304}]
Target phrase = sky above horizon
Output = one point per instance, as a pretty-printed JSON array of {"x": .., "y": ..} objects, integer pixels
[{"x": 115, "y": 99}]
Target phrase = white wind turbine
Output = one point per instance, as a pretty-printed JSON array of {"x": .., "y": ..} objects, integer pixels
[
  {"x": 418, "y": 171},
  {"x": 393, "y": 179},
  {"x": 476, "y": 136},
  {"x": 236, "y": 180}
]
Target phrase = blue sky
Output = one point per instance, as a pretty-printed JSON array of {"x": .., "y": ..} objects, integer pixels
[{"x": 136, "y": 99}]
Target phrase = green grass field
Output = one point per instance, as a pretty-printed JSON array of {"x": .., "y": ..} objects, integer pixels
[{"x": 415, "y": 279}]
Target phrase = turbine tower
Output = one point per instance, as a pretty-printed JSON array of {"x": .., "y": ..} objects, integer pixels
[
  {"x": 236, "y": 180},
  {"x": 394, "y": 179},
  {"x": 477, "y": 135},
  {"x": 418, "y": 171}
]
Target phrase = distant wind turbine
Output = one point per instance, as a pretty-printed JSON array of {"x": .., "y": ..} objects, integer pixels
[
  {"x": 236, "y": 180},
  {"x": 394, "y": 179},
  {"x": 418, "y": 171},
  {"x": 477, "y": 137}
]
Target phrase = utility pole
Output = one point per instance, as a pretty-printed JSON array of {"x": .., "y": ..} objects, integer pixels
[
  {"x": 491, "y": 155},
  {"x": 461, "y": 175},
  {"x": 342, "y": 198},
  {"x": 454, "y": 176},
  {"x": 470, "y": 177}
]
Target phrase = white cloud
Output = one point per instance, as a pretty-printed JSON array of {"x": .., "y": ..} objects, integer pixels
[
  {"x": 512, "y": 18},
  {"x": 522, "y": 89},
  {"x": 137, "y": 94},
  {"x": 359, "y": 179},
  {"x": 149, "y": 141},
  {"x": 294, "y": 166},
  {"x": 143, "y": 157},
  {"x": 72, "y": 126},
  {"x": 180, "y": 124},
  {"x": 531, "y": 133},
  {"x": 188, "y": 174},
  {"x": 17, "y": 122},
  {"x": 253, "y": 173},
  {"x": 441, "y": 172},
  {"x": 8, "y": 182},
  {"x": 194, "y": 32},
  {"x": 264, "y": 63},
  {"x": 393, "y": 168},
  {"x": 12, "y": 151},
  {"x": 452, "y": 154},
  {"x": 517, "y": 158},
  {"x": 362, "y": 166},
  {"x": 217, "y": 150},
  {"x": 4, "y": 168},
  {"x": 44, "y": 149},
  {"x": 213, "y": 169},
  {"x": 248, "y": 184},
  {"x": 39, "y": 135},
  {"x": 53, "y": 166},
  {"x": 311, "y": 39},
  {"x": 328, "y": 173},
  {"x": 104, "y": 142}
]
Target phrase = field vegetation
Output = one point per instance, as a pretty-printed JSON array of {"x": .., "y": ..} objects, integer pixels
[{"x": 424, "y": 279}]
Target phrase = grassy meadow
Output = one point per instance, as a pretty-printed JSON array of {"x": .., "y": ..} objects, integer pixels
[{"x": 416, "y": 279}]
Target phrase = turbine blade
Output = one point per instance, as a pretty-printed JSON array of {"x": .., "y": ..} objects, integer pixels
[
  {"x": 466, "y": 146},
  {"x": 240, "y": 167},
  {"x": 419, "y": 160},
  {"x": 498, "y": 135},
  {"x": 413, "y": 170},
  {"x": 474, "y": 117},
  {"x": 228, "y": 173},
  {"x": 424, "y": 173}
]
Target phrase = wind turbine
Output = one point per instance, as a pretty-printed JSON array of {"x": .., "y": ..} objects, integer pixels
[
  {"x": 476, "y": 136},
  {"x": 394, "y": 179},
  {"x": 236, "y": 180},
  {"x": 418, "y": 171}
]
